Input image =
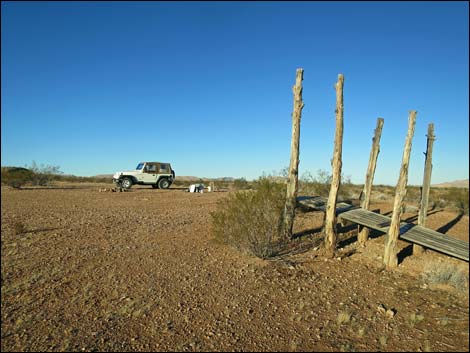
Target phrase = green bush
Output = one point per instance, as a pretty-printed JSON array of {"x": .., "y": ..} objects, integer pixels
[
  {"x": 453, "y": 198},
  {"x": 321, "y": 185},
  {"x": 413, "y": 194},
  {"x": 241, "y": 184},
  {"x": 251, "y": 221},
  {"x": 457, "y": 198},
  {"x": 16, "y": 177}
]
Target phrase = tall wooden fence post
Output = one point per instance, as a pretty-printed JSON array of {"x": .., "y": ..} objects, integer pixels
[
  {"x": 330, "y": 217},
  {"x": 293, "y": 179},
  {"x": 363, "y": 234},
  {"x": 423, "y": 209},
  {"x": 390, "y": 254}
]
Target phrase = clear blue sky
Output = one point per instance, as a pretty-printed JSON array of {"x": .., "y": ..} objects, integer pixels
[{"x": 96, "y": 87}]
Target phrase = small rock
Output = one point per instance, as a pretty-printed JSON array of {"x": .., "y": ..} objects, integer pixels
[
  {"x": 390, "y": 313},
  {"x": 381, "y": 309}
]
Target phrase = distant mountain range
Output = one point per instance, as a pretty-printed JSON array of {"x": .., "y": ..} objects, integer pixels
[{"x": 456, "y": 184}]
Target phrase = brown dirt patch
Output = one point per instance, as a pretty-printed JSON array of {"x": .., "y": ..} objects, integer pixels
[{"x": 140, "y": 271}]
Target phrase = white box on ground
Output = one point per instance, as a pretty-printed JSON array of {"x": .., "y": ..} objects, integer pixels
[{"x": 196, "y": 188}]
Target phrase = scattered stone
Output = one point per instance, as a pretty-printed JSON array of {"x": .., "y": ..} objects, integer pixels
[
  {"x": 381, "y": 309},
  {"x": 390, "y": 313}
]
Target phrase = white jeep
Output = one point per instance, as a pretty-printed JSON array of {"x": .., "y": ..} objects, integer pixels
[{"x": 159, "y": 175}]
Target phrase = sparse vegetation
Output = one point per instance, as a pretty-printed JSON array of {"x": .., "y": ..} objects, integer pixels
[
  {"x": 181, "y": 282},
  {"x": 343, "y": 317},
  {"x": 446, "y": 274},
  {"x": 43, "y": 175},
  {"x": 19, "y": 228},
  {"x": 219, "y": 184},
  {"x": 415, "y": 318},
  {"x": 456, "y": 198},
  {"x": 241, "y": 184},
  {"x": 320, "y": 185},
  {"x": 383, "y": 340},
  {"x": 251, "y": 220},
  {"x": 413, "y": 194},
  {"x": 16, "y": 177}
]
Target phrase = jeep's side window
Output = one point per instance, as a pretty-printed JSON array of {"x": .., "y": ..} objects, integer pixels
[
  {"x": 151, "y": 168},
  {"x": 163, "y": 167}
]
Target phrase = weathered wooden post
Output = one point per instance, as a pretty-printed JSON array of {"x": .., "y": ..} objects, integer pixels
[
  {"x": 390, "y": 254},
  {"x": 293, "y": 178},
  {"x": 423, "y": 209},
  {"x": 363, "y": 234},
  {"x": 330, "y": 216}
]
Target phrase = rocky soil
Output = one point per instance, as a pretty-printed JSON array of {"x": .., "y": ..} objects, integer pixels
[{"x": 84, "y": 270}]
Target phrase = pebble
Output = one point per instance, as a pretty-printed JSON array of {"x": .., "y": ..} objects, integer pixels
[{"x": 390, "y": 313}]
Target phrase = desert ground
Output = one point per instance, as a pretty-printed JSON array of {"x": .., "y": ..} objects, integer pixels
[{"x": 84, "y": 270}]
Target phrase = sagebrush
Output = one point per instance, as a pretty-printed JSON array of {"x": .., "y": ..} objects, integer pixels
[
  {"x": 251, "y": 221},
  {"x": 446, "y": 273}
]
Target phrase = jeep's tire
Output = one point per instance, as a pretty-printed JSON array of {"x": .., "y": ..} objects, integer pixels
[
  {"x": 126, "y": 183},
  {"x": 164, "y": 183}
]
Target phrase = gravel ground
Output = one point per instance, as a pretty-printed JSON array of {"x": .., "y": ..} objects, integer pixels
[{"x": 140, "y": 271}]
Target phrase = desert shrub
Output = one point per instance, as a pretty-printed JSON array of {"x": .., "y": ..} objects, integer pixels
[
  {"x": 44, "y": 174},
  {"x": 386, "y": 190},
  {"x": 321, "y": 184},
  {"x": 16, "y": 177},
  {"x": 251, "y": 221},
  {"x": 19, "y": 228},
  {"x": 413, "y": 194},
  {"x": 220, "y": 185},
  {"x": 454, "y": 198},
  {"x": 241, "y": 184},
  {"x": 446, "y": 273},
  {"x": 457, "y": 198}
]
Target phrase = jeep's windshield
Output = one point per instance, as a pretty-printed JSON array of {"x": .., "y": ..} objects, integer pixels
[{"x": 139, "y": 166}]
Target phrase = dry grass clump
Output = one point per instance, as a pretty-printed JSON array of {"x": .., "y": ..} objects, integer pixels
[
  {"x": 446, "y": 274},
  {"x": 383, "y": 340},
  {"x": 343, "y": 317},
  {"x": 415, "y": 318},
  {"x": 19, "y": 228},
  {"x": 251, "y": 221}
]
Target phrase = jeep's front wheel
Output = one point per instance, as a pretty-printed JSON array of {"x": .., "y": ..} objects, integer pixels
[
  {"x": 126, "y": 183},
  {"x": 164, "y": 183}
]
